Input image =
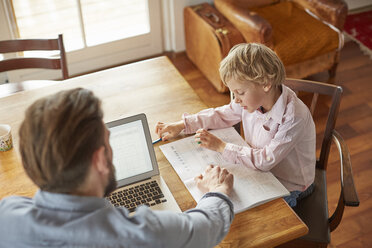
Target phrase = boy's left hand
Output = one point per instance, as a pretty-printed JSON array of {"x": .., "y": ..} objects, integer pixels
[{"x": 209, "y": 141}]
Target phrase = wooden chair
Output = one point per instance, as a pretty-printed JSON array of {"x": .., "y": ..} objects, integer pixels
[
  {"x": 313, "y": 210},
  {"x": 21, "y": 45}
]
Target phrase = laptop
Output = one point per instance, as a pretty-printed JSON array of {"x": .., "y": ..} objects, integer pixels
[{"x": 137, "y": 172}]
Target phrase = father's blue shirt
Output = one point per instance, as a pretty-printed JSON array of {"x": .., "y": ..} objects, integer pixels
[{"x": 61, "y": 220}]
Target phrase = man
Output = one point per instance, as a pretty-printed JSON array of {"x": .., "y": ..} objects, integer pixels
[{"x": 65, "y": 150}]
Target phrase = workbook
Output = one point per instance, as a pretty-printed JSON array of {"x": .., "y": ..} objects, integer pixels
[{"x": 251, "y": 187}]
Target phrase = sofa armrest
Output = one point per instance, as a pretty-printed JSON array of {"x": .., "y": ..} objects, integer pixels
[
  {"x": 253, "y": 27},
  {"x": 331, "y": 11}
]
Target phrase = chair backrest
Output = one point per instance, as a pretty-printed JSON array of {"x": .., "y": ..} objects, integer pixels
[
  {"x": 317, "y": 89},
  {"x": 21, "y": 45}
]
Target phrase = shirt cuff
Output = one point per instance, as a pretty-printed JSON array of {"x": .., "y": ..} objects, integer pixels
[
  {"x": 223, "y": 197},
  {"x": 189, "y": 122},
  {"x": 229, "y": 153},
  {"x": 220, "y": 195}
]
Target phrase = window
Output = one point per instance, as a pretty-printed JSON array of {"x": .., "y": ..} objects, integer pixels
[
  {"x": 83, "y": 22},
  {"x": 96, "y": 33}
]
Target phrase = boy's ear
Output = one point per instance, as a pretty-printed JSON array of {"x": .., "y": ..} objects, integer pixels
[
  {"x": 99, "y": 160},
  {"x": 267, "y": 87}
]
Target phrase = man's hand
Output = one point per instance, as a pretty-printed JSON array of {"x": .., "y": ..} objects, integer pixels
[
  {"x": 168, "y": 131},
  {"x": 215, "y": 179},
  {"x": 208, "y": 140}
]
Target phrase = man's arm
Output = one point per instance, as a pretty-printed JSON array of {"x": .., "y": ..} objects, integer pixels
[{"x": 206, "y": 224}]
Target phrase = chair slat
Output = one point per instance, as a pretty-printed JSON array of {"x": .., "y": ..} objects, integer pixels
[
  {"x": 26, "y": 63},
  {"x": 9, "y": 46},
  {"x": 21, "y": 45}
]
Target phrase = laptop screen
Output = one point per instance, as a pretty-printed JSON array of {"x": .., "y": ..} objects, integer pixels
[{"x": 133, "y": 153}]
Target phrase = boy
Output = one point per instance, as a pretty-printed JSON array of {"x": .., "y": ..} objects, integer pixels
[{"x": 278, "y": 126}]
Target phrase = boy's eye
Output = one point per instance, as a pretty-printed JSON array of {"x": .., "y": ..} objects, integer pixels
[{"x": 239, "y": 93}]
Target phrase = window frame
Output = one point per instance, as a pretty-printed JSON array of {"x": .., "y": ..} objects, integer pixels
[{"x": 99, "y": 56}]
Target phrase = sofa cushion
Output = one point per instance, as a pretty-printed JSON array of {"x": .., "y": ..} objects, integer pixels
[{"x": 297, "y": 36}]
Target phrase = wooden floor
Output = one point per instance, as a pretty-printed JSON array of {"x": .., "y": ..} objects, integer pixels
[{"x": 354, "y": 123}]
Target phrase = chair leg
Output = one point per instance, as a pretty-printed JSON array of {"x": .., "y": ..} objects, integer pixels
[
  {"x": 332, "y": 70},
  {"x": 332, "y": 73}
]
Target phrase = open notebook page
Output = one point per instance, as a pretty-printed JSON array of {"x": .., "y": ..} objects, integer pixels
[{"x": 251, "y": 187}]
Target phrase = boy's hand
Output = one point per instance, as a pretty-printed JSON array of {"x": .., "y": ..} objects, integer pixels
[
  {"x": 215, "y": 179},
  {"x": 208, "y": 140},
  {"x": 168, "y": 131}
]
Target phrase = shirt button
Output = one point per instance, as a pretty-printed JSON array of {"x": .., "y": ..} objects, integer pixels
[{"x": 268, "y": 158}]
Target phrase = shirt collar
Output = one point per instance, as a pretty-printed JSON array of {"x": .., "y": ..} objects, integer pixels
[
  {"x": 69, "y": 202},
  {"x": 277, "y": 111}
]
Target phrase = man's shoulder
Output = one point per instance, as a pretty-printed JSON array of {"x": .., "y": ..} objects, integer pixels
[
  {"x": 13, "y": 206},
  {"x": 14, "y": 201}
]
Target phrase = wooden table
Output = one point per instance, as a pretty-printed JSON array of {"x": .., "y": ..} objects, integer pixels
[{"x": 155, "y": 88}]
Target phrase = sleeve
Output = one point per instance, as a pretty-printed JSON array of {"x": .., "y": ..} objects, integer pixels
[
  {"x": 213, "y": 118},
  {"x": 204, "y": 226},
  {"x": 288, "y": 135}
]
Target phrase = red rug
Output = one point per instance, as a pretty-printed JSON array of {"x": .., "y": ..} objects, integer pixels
[{"x": 359, "y": 28}]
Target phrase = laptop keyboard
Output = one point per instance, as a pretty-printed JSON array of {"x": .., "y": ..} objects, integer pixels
[{"x": 148, "y": 194}]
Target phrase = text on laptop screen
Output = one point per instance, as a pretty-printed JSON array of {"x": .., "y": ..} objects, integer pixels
[{"x": 130, "y": 153}]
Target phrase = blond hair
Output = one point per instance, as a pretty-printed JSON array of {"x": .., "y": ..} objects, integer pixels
[
  {"x": 252, "y": 62},
  {"x": 58, "y": 137}
]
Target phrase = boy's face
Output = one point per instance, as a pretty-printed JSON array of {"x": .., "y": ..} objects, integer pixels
[{"x": 249, "y": 95}]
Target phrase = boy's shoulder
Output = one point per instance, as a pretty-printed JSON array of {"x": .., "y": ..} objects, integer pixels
[{"x": 294, "y": 105}]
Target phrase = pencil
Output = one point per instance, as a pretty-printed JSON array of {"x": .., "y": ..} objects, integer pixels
[{"x": 156, "y": 141}]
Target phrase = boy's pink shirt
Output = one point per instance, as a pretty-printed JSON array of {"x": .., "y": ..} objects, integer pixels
[{"x": 281, "y": 141}]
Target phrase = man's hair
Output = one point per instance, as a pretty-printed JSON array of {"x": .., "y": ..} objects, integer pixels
[
  {"x": 58, "y": 137},
  {"x": 252, "y": 62}
]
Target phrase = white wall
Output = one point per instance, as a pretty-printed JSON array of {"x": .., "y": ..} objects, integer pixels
[
  {"x": 174, "y": 40},
  {"x": 4, "y": 27}
]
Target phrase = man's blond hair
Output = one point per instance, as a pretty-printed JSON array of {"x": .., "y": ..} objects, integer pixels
[{"x": 252, "y": 62}]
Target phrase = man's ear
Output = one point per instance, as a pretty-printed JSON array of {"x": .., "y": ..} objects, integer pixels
[{"x": 99, "y": 161}]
